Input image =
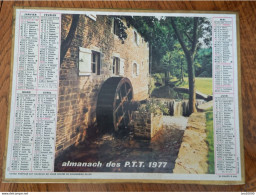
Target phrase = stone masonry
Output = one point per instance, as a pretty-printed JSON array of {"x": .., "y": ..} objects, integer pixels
[
  {"x": 192, "y": 157},
  {"x": 146, "y": 125},
  {"x": 78, "y": 94}
]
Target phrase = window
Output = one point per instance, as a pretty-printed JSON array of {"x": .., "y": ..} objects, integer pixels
[
  {"x": 135, "y": 69},
  {"x": 116, "y": 27},
  {"x": 116, "y": 65},
  {"x": 89, "y": 62},
  {"x": 96, "y": 62}
]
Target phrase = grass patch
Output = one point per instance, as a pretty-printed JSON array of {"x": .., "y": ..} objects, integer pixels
[
  {"x": 204, "y": 85},
  {"x": 210, "y": 140}
]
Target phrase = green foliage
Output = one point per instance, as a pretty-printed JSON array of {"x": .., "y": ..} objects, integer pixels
[
  {"x": 210, "y": 140},
  {"x": 163, "y": 108},
  {"x": 154, "y": 107},
  {"x": 167, "y": 61},
  {"x": 121, "y": 28},
  {"x": 204, "y": 60},
  {"x": 175, "y": 62},
  {"x": 158, "y": 78},
  {"x": 185, "y": 25},
  {"x": 151, "y": 86}
]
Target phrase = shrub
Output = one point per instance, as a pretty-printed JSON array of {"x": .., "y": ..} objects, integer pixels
[
  {"x": 154, "y": 107},
  {"x": 151, "y": 85},
  {"x": 158, "y": 78}
]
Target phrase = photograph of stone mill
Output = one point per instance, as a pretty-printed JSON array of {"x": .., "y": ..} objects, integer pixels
[{"x": 135, "y": 94}]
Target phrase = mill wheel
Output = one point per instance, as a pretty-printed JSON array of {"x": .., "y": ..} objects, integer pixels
[{"x": 112, "y": 112}]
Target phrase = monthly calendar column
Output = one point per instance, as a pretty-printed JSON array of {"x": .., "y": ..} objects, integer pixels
[
  {"x": 47, "y": 95},
  {"x": 25, "y": 94},
  {"x": 36, "y": 94},
  {"x": 224, "y": 98}
]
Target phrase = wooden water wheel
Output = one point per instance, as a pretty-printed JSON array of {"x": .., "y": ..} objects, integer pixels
[{"x": 113, "y": 111}]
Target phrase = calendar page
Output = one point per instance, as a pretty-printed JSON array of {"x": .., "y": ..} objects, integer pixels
[{"x": 124, "y": 96}]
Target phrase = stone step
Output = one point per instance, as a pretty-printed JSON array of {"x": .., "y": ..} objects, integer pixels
[{"x": 205, "y": 106}]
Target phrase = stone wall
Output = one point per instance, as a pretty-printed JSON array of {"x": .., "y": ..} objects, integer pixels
[
  {"x": 146, "y": 125},
  {"x": 78, "y": 94},
  {"x": 192, "y": 157}
]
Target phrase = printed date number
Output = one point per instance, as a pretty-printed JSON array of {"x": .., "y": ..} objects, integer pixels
[{"x": 157, "y": 164}]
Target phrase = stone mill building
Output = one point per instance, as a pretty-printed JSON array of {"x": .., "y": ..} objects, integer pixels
[{"x": 95, "y": 55}]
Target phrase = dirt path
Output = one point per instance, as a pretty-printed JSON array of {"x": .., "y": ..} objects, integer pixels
[
  {"x": 163, "y": 147},
  {"x": 177, "y": 122}
]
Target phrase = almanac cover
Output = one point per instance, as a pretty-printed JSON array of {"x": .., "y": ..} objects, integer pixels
[{"x": 124, "y": 96}]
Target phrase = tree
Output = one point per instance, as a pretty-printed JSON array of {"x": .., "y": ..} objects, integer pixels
[
  {"x": 65, "y": 44},
  {"x": 189, "y": 31},
  {"x": 167, "y": 65},
  {"x": 178, "y": 60}
]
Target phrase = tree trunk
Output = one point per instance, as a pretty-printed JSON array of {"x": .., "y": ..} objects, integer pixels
[
  {"x": 167, "y": 77},
  {"x": 192, "y": 90},
  {"x": 190, "y": 61},
  {"x": 181, "y": 72},
  {"x": 65, "y": 44}
]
